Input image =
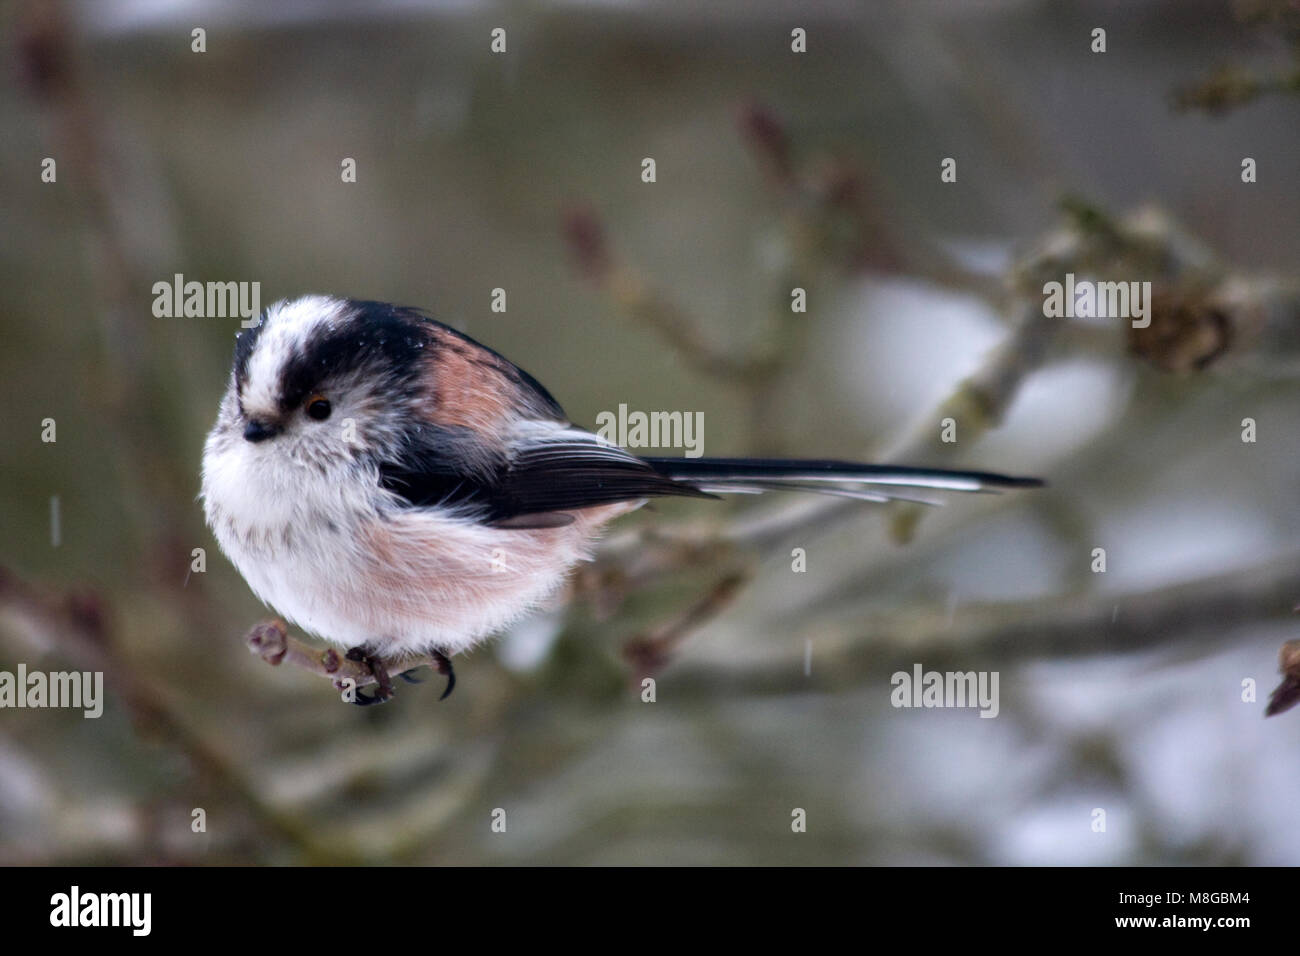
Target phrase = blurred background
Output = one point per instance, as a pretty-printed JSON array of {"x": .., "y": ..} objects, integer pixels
[{"x": 1139, "y": 690}]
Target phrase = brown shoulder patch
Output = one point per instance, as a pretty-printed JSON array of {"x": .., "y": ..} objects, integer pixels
[{"x": 470, "y": 386}]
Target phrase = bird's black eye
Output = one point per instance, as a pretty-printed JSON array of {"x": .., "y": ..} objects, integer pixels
[{"x": 318, "y": 408}]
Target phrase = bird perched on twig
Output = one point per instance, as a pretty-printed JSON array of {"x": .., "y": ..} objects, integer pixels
[{"x": 396, "y": 488}]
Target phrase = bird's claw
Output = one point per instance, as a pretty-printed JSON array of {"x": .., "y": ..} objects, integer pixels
[
  {"x": 443, "y": 664},
  {"x": 385, "y": 692}
]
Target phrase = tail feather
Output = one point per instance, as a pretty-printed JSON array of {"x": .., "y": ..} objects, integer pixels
[
  {"x": 825, "y": 488},
  {"x": 842, "y": 478}
]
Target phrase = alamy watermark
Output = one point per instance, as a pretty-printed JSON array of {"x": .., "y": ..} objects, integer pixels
[
  {"x": 922, "y": 688},
  {"x": 1085, "y": 299},
  {"x": 208, "y": 300},
  {"x": 75, "y": 908},
  {"x": 653, "y": 430},
  {"x": 82, "y": 690}
]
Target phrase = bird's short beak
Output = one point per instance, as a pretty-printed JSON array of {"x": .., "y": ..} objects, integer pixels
[{"x": 257, "y": 430}]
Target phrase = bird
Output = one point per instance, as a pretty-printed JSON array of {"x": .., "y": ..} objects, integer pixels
[{"x": 395, "y": 488}]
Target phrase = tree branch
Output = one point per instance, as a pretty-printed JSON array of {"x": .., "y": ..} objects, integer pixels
[{"x": 271, "y": 641}]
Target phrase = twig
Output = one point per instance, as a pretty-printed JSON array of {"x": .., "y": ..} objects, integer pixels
[
  {"x": 631, "y": 292},
  {"x": 48, "y": 62},
  {"x": 78, "y": 628},
  {"x": 271, "y": 641},
  {"x": 1003, "y": 633},
  {"x": 1287, "y": 694},
  {"x": 649, "y": 652}
]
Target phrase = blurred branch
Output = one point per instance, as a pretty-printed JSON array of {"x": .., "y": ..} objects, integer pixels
[
  {"x": 1231, "y": 86},
  {"x": 129, "y": 390},
  {"x": 646, "y": 305},
  {"x": 651, "y": 651},
  {"x": 1201, "y": 312},
  {"x": 829, "y": 228},
  {"x": 851, "y": 653},
  {"x": 77, "y": 627},
  {"x": 1287, "y": 694},
  {"x": 977, "y": 405}
]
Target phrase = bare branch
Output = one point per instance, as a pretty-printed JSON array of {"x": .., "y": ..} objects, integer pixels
[
  {"x": 1201, "y": 611},
  {"x": 649, "y": 652},
  {"x": 1287, "y": 694},
  {"x": 272, "y": 642}
]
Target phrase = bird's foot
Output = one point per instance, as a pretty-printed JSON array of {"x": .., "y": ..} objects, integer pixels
[{"x": 377, "y": 667}]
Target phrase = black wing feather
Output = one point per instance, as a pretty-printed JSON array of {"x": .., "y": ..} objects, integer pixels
[
  {"x": 557, "y": 477},
  {"x": 542, "y": 479}
]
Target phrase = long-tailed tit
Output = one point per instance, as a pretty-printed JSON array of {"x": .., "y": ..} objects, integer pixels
[{"x": 396, "y": 488}]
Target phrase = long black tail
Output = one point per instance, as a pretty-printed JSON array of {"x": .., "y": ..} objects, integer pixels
[{"x": 843, "y": 478}]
